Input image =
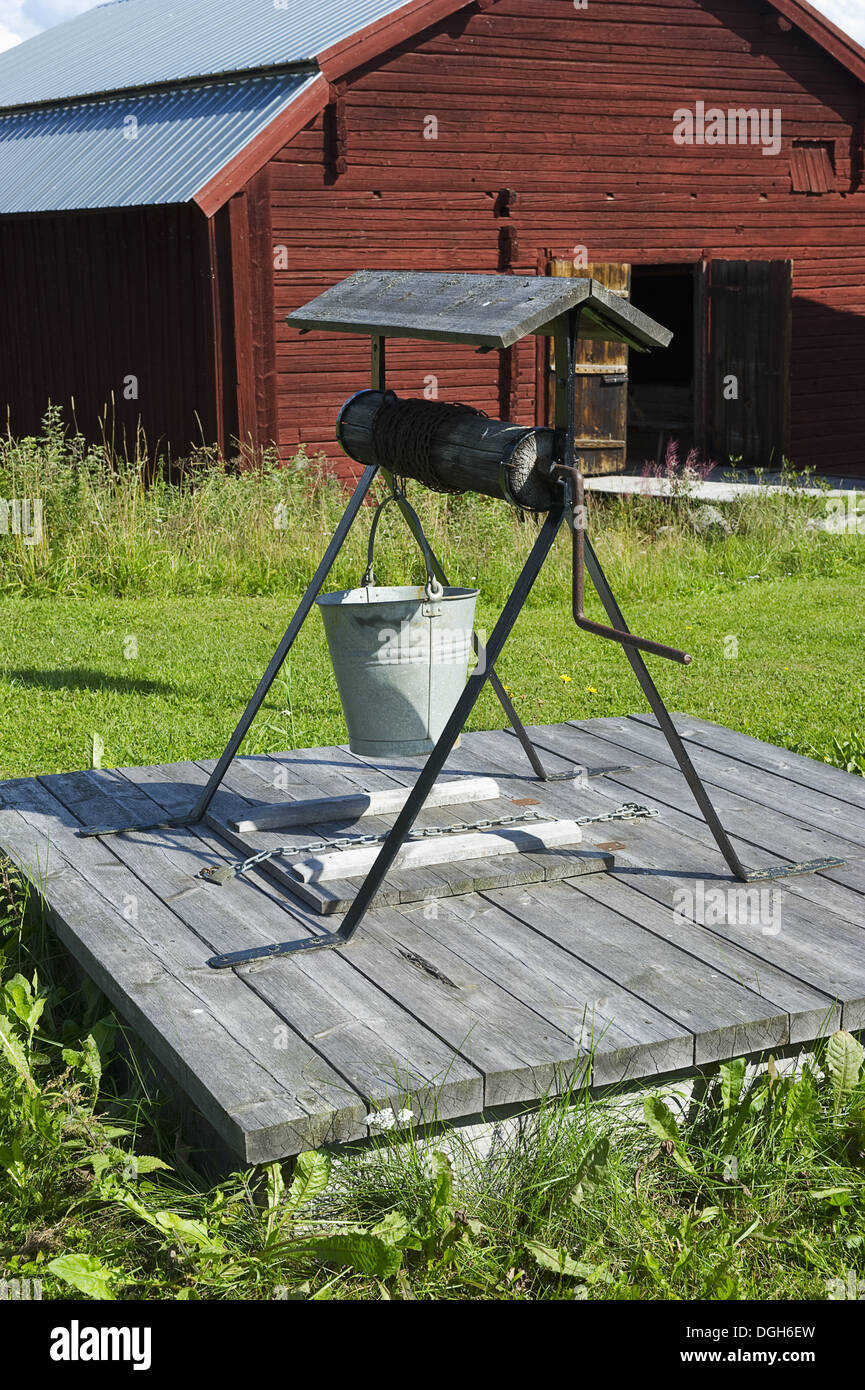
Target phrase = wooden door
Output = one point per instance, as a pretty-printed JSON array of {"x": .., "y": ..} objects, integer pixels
[
  {"x": 744, "y": 332},
  {"x": 602, "y": 379}
]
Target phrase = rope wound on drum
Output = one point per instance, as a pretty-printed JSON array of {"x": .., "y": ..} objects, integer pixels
[{"x": 403, "y": 432}]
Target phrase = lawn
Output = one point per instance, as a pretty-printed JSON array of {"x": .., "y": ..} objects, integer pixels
[
  {"x": 144, "y": 617},
  {"x": 165, "y": 679}
]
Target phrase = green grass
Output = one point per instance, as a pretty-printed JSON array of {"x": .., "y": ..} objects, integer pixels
[
  {"x": 145, "y": 615},
  {"x": 204, "y": 574},
  {"x": 64, "y": 675}
]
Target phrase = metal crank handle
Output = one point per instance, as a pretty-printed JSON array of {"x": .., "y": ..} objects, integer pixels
[
  {"x": 627, "y": 639},
  {"x": 572, "y": 478}
]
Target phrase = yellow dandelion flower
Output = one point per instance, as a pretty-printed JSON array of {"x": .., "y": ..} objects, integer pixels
[
  {"x": 566, "y": 679},
  {"x": 590, "y": 690}
]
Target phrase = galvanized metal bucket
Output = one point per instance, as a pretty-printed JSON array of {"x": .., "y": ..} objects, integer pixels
[{"x": 400, "y": 656}]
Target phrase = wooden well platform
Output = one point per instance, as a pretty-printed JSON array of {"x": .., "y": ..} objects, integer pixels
[{"x": 453, "y": 1006}]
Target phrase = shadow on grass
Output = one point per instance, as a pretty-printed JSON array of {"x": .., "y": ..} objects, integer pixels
[{"x": 81, "y": 678}]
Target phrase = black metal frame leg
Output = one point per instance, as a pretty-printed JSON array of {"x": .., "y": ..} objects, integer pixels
[
  {"x": 661, "y": 713},
  {"x": 214, "y": 781}
]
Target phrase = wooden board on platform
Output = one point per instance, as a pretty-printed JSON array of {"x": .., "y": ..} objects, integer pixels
[
  {"x": 412, "y": 885},
  {"x": 453, "y": 1005}
]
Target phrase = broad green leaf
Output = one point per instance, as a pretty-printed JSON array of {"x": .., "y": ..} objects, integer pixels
[
  {"x": 557, "y": 1261},
  {"x": 311, "y": 1177},
  {"x": 167, "y": 1222},
  {"x": 660, "y": 1120},
  {"x": 443, "y": 1175},
  {"x": 11, "y": 1048},
  {"x": 193, "y": 1232},
  {"x": 591, "y": 1170},
  {"x": 86, "y": 1273},
  {"x": 707, "y": 1215},
  {"x": 146, "y": 1163},
  {"x": 835, "y": 1196},
  {"x": 24, "y": 1004},
  {"x": 275, "y": 1187},
  {"x": 593, "y": 1164},
  {"x": 13, "y": 1164},
  {"x": 366, "y": 1254},
  {"x": 732, "y": 1078},
  {"x": 844, "y": 1060},
  {"x": 802, "y": 1107},
  {"x": 397, "y": 1230},
  {"x": 86, "y": 1060},
  {"x": 662, "y": 1123}
]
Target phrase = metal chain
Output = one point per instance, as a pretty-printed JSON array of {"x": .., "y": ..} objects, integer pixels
[
  {"x": 629, "y": 810},
  {"x": 223, "y": 873}
]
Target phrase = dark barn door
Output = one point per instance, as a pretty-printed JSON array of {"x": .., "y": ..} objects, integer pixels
[
  {"x": 743, "y": 315},
  {"x": 602, "y": 380}
]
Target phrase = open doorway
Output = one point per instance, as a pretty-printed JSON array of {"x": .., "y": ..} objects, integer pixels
[
  {"x": 662, "y": 385},
  {"x": 723, "y": 384}
]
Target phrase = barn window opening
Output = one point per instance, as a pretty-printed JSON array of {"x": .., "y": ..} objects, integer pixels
[
  {"x": 661, "y": 384},
  {"x": 812, "y": 166}
]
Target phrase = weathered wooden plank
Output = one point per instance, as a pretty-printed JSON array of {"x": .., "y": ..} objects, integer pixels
[
  {"x": 754, "y": 753},
  {"x": 320, "y": 810},
  {"x": 659, "y": 861},
  {"x": 516, "y": 1057},
  {"x": 360, "y": 1030},
  {"x": 491, "y": 310},
  {"x": 819, "y": 809},
  {"x": 522, "y": 1051},
  {"x": 475, "y": 1013},
  {"x": 192, "y": 1026},
  {"x": 485, "y": 999},
  {"x": 836, "y": 890},
  {"x": 726, "y": 1019},
  {"x": 322, "y": 866},
  {"x": 626, "y": 1037},
  {"x": 400, "y": 886},
  {"x": 810, "y": 1011}
]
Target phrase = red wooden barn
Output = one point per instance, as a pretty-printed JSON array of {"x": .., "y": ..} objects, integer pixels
[{"x": 177, "y": 175}]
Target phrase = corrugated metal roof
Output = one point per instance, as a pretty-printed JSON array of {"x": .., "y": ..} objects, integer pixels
[
  {"x": 138, "y": 43},
  {"x": 150, "y": 147}
]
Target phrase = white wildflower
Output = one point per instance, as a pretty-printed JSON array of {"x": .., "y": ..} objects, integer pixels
[{"x": 381, "y": 1119}]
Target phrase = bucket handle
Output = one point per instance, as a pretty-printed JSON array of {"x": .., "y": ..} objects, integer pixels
[{"x": 433, "y": 588}]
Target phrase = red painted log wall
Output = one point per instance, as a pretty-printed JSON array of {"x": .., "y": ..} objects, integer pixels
[
  {"x": 573, "y": 110},
  {"x": 89, "y": 299}
]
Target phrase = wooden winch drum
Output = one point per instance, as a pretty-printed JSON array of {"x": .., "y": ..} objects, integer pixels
[
  {"x": 400, "y": 657},
  {"x": 465, "y": 452}
]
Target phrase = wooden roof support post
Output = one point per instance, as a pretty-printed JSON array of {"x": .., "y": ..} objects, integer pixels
[
  {"x": 221, "y": 329},
  {"x": 247, "y": 422}
]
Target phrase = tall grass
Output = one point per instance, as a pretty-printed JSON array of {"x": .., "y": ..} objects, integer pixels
[{"x": 114, "y": 524}]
